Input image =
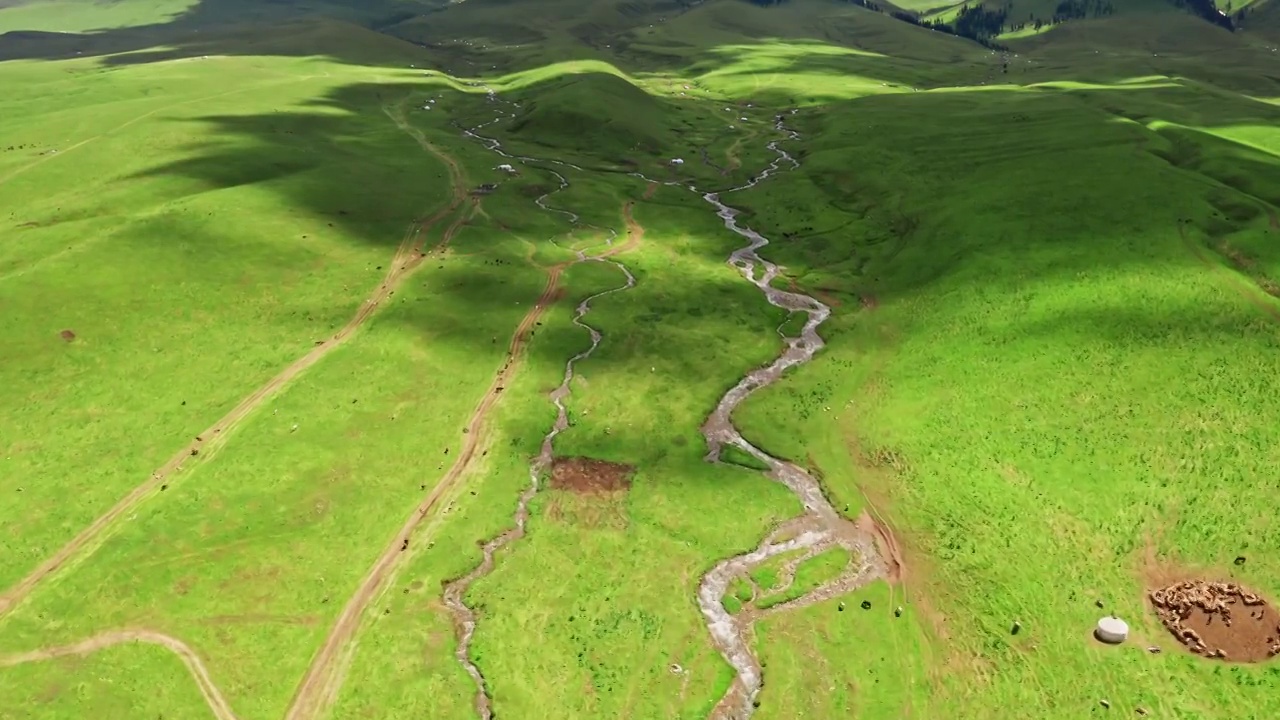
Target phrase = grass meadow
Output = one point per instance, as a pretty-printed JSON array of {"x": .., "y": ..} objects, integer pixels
[
  {"x": 1055, "y": 305},
  {"x": 185, "y": 285},
  {"x": 73, "y": 16},
  {"x": 1053, "y": 388}
]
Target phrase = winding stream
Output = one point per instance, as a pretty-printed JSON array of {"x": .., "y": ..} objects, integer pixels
[
  {"x": 819, "y": 527},
  {"x": 455, "y": 591}
]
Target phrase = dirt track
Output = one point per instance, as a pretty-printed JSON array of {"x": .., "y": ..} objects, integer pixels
[
  {"x": 1246, "y": 289},
  {"x": 217, "y": 703},
  {"x": 635, "y": 233},
  {"x": 408, "y": 257},
  {"x": 455, "y": 591},
  {"x": 319, "y": 687}
]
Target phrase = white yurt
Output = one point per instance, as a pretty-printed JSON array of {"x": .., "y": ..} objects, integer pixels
[{"x": 1112, "y": 630}]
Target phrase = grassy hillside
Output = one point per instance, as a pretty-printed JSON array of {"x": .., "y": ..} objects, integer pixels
[
  {"x": 84, "y": 15},
  {"x": 94, "y": 15},
  {"x": 1054, "y": 279},
  {"x": 592, "y": 113},
  {"x": 1262, "y": 18}
]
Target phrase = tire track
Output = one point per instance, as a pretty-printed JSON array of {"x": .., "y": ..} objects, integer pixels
[
  {"x": 319, "y": 688},
  {"x": 455, "y": 591},
  {"x": 1247, "y": 289},
  {"x": 408, "y": 257},
  {"x": 217, "y": 702},
  {"x": 464, "y": 617}
]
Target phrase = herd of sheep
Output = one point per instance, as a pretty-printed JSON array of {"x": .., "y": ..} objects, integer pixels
[{"x": 1177, "y": 603}]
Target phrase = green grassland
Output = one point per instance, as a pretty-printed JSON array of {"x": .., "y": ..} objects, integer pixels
[
  {"x": 1044, "y": 357},
  {"x": 159, "y": 16},
  {"x": 810, "y": 575},
  {"x": 615, "y": 620},
  {"x": 120, "y": 681},
  {"x": 157, "y": 254},
  {"x": 1055, "y": 306},
  {"x": 81, "y": 15},
  {"x": 332, "y": 458}
]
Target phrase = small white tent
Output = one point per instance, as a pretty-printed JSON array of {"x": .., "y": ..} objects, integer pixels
[{"x": 1112, "y": 630}]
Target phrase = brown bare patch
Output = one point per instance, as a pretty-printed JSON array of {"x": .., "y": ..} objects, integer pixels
[
  {"x": 827, "y": 296},
  {"x": 1237, "y": 257},
  {"x": 67, "y": 335},
  {"x": 650, "y": 190},
  {"x": 1219, "y": 620},
  {"x": 586, "y": 476},
  {"x": 870, "y": 301},
  {"x": 589, "y": 493},
  {"x": 887, "y": 545}
]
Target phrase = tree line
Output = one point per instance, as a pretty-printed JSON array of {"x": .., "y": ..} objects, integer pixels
[
  {"x": 1207, "y": 10},
  {"x": 982, "y": 24},
  {"x": 975, "y": 22}
]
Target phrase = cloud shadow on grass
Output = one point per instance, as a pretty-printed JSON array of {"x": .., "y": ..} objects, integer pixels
[
  {"x": 998, "y": 129},
  {"x": 344, "y": 31},
  {"x": 307, "y": 155},
  {"x": 342, "y": 159}
]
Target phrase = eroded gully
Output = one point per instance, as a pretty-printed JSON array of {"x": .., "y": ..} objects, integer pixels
[
  {"x": 819, "y": 527},
  {"x": 455, "y": 591}
]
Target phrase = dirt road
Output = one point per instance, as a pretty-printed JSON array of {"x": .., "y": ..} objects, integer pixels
[
  {"x": 217, "y": 703},
  {"x": 455, "y": 591},
  {"x": 318, "y": 689},
  {"x": 319, "y": 686},
  {"x": 1243, "y": 286},
  {"x": 409, "y": 256},
  {"x": 635, "y": 233}
]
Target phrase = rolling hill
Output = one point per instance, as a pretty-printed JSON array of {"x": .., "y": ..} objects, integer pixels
[{"x": 378, "y": 360}]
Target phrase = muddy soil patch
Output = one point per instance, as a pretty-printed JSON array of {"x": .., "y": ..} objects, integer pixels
[
  {"x": 67, "y": 335},
  {"x": 886, "y": 544},
  {"x": 1220, "y": 620},
  {"x": 586, "y": 476}
]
